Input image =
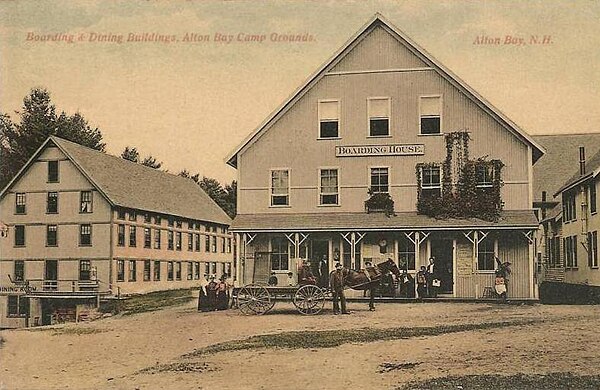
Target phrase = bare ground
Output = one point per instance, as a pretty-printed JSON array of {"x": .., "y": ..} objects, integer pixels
[{"x": 417, "y": 345}]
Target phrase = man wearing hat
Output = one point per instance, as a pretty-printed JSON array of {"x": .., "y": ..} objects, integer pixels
[{"x": 337, "y": 288}]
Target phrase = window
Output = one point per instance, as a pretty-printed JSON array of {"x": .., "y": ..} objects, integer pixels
[
  {"x": 178, "y": 241},
  {"x": 593, "y": 206},
  {"x": 279, "y": 254},
  {"x": 52, "y": 203},
  {"x": 132, "y": 270},
  {"x": 486, "y": 255},
  {"x": 430, "y": 181},
  {"x": 570, "y": 250},
  {"x": 156, "y": 238},
  {"x": 329, "y": 118},
  {"x": 190, "y": 243},
  {"x": 170, "y": 240},
  {"x": 147, "y": 218},
  {"x": 229, "y": 245},
  {"x": 379, "y": 116},
  {"x": 18, "y": 306},
  {"x": 157, "y": 220},
  {"x": 328, "y": 189},
  {"x": 85, "y": 270},
  {"x": 223, "y": 245},
  {"x": 85, "y": 235},
  {"x": 156, "y": 270},
  {"x": 178, "y": 270},
  {"x": 51, "y": 235},
  {"x": 484, "y": 175},
  {"x": 85, "y": 204},
  {"x": 197, "y": 242},
  {"x": 171, "y": 221},
  {"x": 228, "y": 269},
  {"x": 592, "y": 249},
  {"x": 553, "y": 252},
  {"x": 121, "y": 235},
  {"x": 19, "y": 235},
  {"x": 213, "y": 268},
  {"x": 280, "y": 187},
  {"x": 147, "y": 238},
  {"x": 147, "y": 271},
  {"x": 132, "y": 215},
  {"x": 178, "y": 224},
  {"x": 197, "y": 270},
  {"x": 207, "y": 268},
  {"x": 569, "y": 208},
  {"x": 170, "y": 270},
  {"x": 430, "y": 109},
  {"x": 132, "y": 236},
  {"x": 121, "y": 214},
  {"x": 406, "y": 254},
  {"x": 20, "y": 203},
  {"x": 207, "y": 243},
  {"x": 379, "y": 180},
  {"x": 213, "y": 240},
  {"x": 190, "y": 270},
  {"x": 120, "y": 270},
  {"x": 52, "y": 171},
  {"x": 19, "y": 274}
]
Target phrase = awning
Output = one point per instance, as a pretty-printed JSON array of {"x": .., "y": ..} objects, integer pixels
[{"x": 509, "y": 220}]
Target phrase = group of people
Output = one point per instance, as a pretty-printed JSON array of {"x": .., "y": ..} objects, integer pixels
[
  {"x": 214, "y": 294},
  {"x": 429, "y": 280}
]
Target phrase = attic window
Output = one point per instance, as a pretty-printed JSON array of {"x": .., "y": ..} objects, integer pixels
[
  {"x": 329, "y": 118},
  {"x": 53, "y": 171},
  {"x": 379, "y": 116},
  {"x": 430, "y": 113}
]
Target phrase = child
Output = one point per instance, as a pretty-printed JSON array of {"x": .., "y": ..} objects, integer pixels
[
  {"x": 272, "y": 280},
  {"x": 422, "y": 283},
  {"x": 290, "y": 279}
]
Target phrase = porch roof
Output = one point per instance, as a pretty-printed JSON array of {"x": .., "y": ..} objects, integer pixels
[{"x": 509, "y": 220}]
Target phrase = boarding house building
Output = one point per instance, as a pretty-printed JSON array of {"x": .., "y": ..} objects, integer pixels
[
  {"x": 80, "y": 226},
  {"x": 385, "y": 153}
]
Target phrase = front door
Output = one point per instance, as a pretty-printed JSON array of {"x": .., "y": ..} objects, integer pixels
[
  {"x": 320, "y": 261},
  {"x": 443, "y": 251},
  {"x": 51, "y": 275}
]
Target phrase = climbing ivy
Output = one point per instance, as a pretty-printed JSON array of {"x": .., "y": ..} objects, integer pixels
[{"x": 462, "y": 197}]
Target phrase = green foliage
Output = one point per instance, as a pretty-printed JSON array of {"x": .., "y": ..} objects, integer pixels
[
  {"x": 225, "y": 197},
  {"x": 38, "y": 120},
  {"x": 380, "y": 202},
  {"x": 133, "y": 155},
  {"x": 462, "y": 198}
]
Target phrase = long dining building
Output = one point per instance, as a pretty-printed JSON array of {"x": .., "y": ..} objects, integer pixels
[
  {"x": 80, "y": 226},
  {"x": 383, "y": 117}
]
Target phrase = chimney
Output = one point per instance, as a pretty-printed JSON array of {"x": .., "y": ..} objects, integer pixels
[{"x": 582, "y": 160}]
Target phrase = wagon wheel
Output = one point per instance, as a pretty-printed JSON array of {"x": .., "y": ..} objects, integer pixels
[
  {"x": 254, "y": 299},
  {"x": 309, "y": 299}
]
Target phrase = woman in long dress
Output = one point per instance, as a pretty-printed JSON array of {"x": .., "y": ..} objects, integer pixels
[{"x": 203, "y": 294}]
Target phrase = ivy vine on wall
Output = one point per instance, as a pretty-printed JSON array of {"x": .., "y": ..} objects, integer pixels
[{"x": 468, "y": 188}]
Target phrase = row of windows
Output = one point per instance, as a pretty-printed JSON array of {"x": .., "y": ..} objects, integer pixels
[
  {"x": 85, "y": 235},
  {"x": 280, "y": 254},
  {"x": 431, "y": 183},
  {"x": 174, "y": 240},
  {"x": 152, "y": 270},
  {"x": 156, "y": 219},
  {"x": 86, "y": 271},
  {"x": 379, "y": 114},
  {"x": 569, "y": 202},
  {"x": 85, "y": 202}
]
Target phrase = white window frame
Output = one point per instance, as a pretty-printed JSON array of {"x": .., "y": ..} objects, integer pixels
[
  {"x": 494, "y": 265},
  {"x": 339, "y": 186},
  {"x": 289, "y": 188},
  {"x": 339, "y": 136},
  {"x": 91, "y": 202},
  {"x": 388, "y": 174},
  {"x": 441, "y": 115},
  {"x": 289, "y": 255},
  {"x": 489, "y": 168},
  {"x": 389, "y": 117},
  {"x": 441, "y": 179}
]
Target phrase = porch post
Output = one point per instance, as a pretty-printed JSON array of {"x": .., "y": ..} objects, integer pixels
[{"x": 353, "y": 249}]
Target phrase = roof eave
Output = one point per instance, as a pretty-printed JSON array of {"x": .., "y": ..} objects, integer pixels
[{"x": 25, "y": 167}]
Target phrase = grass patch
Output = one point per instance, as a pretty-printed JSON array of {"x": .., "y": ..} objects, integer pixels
[
  {"x": 334, "y": 338},
  {"x": 387, "y": 366},
  {"x": 195, "y": 367},
  {"x": 154, "y": 301},
  {"x": 76, "y": 331},
  {"x": 556, "y": 380}
]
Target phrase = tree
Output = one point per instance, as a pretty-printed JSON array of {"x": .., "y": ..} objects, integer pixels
[
  {"x": 133, "y": 155},
  {"x": 37, "y": 121},
  {"x": 231, "y": 199},
  {"x": 225, "y": 198}
]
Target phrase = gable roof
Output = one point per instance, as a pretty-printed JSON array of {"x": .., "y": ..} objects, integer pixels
[
  {"x": 592, "y": 169},
  {"x": 127, "y": 184},
  {"x": 561, "y": 161},
  {"x": 379, "y": 21}
]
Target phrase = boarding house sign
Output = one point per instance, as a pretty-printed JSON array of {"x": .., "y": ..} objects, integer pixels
[{"x": 379, "y": 150}]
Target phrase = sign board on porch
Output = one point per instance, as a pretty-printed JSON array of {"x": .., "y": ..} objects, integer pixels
[{"x": 379, "y": 150}]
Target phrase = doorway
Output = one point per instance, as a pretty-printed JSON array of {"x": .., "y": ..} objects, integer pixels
[
  {"x": 443, "y": 251},
  {"x": 51, "y": 275},
  {"x": 320, "y": 261}
]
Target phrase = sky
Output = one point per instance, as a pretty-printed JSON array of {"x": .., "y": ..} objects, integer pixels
[{"x": 189, "y": 103}]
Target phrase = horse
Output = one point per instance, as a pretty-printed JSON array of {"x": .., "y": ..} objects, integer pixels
[{"x": 360, "y": 280}]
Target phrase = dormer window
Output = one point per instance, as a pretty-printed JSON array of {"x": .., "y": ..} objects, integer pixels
[{"x": 329, "y": 118}]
